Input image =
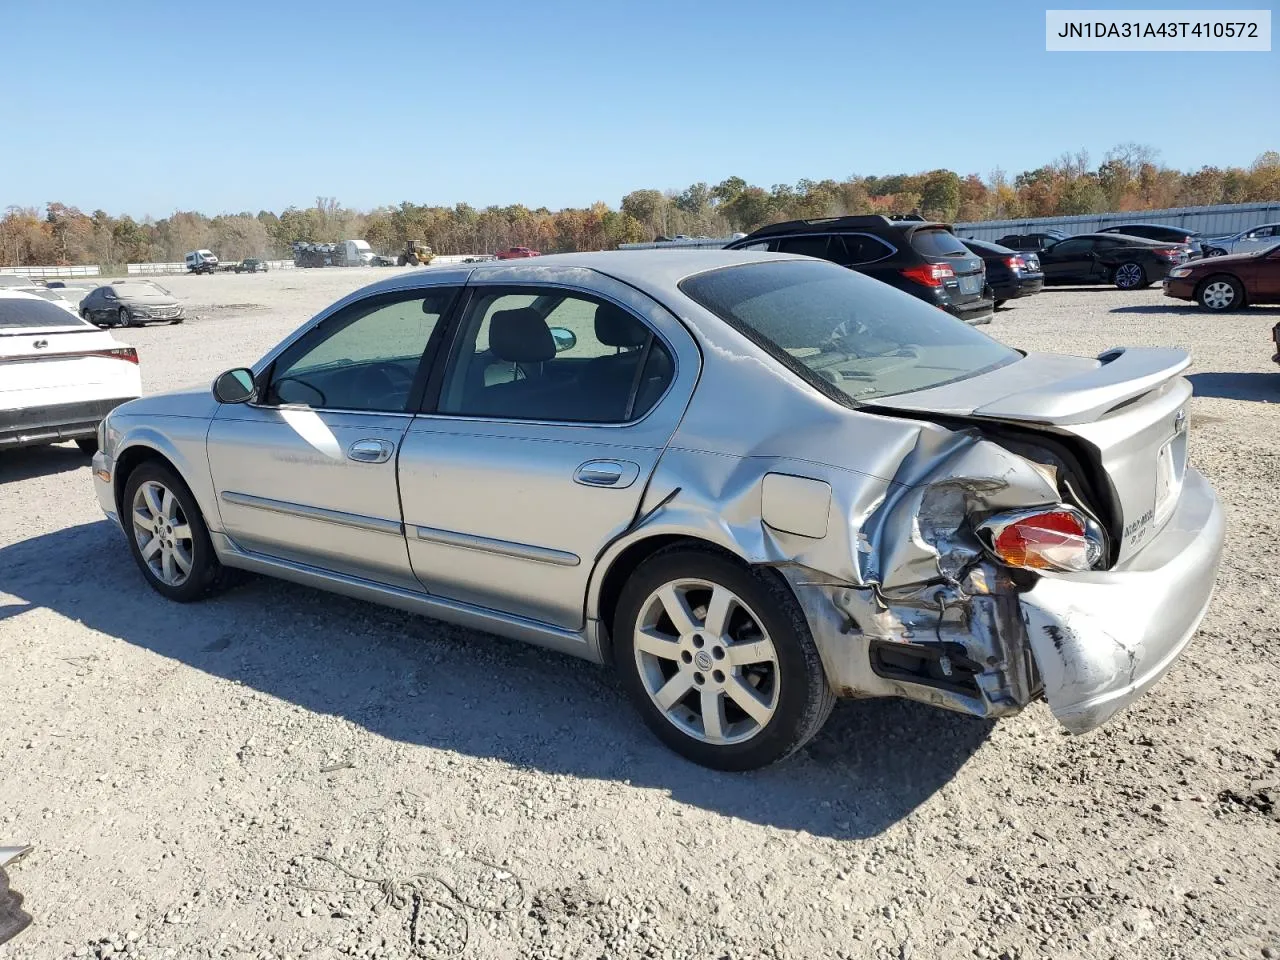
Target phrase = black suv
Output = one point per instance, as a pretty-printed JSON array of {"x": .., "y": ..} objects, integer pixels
[
  {"x": 1035, "y": 242},
  {"x": 1161, "y": 232},
  {"x": 917, "y": 256}
]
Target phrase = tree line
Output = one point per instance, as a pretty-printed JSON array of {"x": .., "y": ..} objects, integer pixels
[{"x": 1129, "y": 178}]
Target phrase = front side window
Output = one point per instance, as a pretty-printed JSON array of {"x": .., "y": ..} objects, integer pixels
[
  {"x": 1072, "y": 248},
  {"x": 547, "y": 354},
  {"x": 364, "y": 358},
  {"x": 846, "y": 334}
]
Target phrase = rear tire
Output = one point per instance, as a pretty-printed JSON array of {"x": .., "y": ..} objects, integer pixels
[
  {"x": 999, "y": 303},
  {"x": 148, "y": 515},
  {"x": 738, "y": 684},
  {"x": 1130, "y": 276},
  {"x": 1220, "y": 293},
  {"x": 88, "y": 445}
]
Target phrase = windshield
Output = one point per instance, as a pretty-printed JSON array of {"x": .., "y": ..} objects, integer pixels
[
  {"x": 839, "y": 329},
  {"x": 20, "y": 312},
  {"x": 141, "y": 289}
]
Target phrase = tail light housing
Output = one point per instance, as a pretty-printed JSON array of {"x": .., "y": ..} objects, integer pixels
[
  {"x": 930, "y": 274},
  {"x": 1015, "y": 263},
  {"x": 1058, "y": 538},
  {"x": 1169, "y": 253},
  {"x": 128, "y": 354}
]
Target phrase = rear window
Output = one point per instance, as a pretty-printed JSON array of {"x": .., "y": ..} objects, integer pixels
[
  {"x": 850, "y": 336},
  {"x": 938, "y": 243},
  {"x": 19, "y": 312}
]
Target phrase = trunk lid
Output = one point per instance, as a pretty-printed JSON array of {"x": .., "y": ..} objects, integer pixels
[
  {"x": 937, "y": 244},
  {"x": 1127, "y": 407},
  {"x": 45, "y": 360}
]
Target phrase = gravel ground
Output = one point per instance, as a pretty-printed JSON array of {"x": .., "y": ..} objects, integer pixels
[{"x": 283, "y": 773}]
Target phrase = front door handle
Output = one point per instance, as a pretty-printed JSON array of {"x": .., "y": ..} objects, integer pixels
[
  {"x": 607, "y": 473},
  {"x": 371, "y": 451}
]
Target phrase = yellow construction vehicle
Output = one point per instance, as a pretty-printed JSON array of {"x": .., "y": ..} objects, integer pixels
[{"x": 416, "y": 253}]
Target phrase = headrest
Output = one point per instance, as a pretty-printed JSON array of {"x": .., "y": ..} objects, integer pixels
[
  {"x": 520, "y": 336},
  {"x": 617, "y": 328}
]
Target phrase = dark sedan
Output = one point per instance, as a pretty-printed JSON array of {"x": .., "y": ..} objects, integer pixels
[
  {"x": 252, "y": 265},
  {"x": 1226, "y": 283},
  {"x": 1161, "y": 232},
  {"x": 1009, "y": 274},
  {"x": 1031, "y": 241},
  {"x": 130, "y": 303},
  {"x": 1131, "y": 263}
]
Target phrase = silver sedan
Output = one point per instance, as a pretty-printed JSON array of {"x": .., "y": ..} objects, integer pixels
[{"x": 752, "y": 483}]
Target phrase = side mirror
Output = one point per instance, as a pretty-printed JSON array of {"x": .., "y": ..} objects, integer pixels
[
  {"x": 565, "y": 339},
  {"x": 235, "y": 386}
]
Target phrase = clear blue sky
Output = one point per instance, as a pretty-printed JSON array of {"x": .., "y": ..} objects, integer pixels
[{"x": 146, "y": 107}]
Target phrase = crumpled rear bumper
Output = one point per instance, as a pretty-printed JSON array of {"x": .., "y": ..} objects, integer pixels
[{"x": 1100, "y": 640}]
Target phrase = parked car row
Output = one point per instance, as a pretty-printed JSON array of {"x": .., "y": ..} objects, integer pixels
[{"x": 912, "y": 254}]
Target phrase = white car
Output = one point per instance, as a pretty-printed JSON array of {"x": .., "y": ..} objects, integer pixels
[{"x": 59, "y": 375}]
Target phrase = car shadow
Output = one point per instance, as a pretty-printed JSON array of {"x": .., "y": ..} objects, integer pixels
[
  {"x": 26, "y": 463},
  {"x": 422, "y": 682},
  {"x": 1187, "y": 307},
  {"x": 1262, "y": 387}
]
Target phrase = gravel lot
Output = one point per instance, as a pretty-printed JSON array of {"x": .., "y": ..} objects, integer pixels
[{"x": 182, "y": 771}]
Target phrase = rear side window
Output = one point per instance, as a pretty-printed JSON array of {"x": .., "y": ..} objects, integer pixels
[
  {"x": 937, "y": 243},
  {"x": 19, "y": 312},
  {"x": 847, "y": 335},
  {"x": 852, "y": 249}
]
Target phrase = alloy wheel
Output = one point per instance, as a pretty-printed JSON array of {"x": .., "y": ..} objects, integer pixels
[
  {"x": 1128, "y": 275},
  {"x": 1218, "y": 295},
  {"x": 162, "y": 533},
  {"x": 706, "y": 662}
]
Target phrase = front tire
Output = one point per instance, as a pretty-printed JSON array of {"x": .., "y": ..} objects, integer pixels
[
  {"x": 719, "y": 660},
  {"x": 1130, "y": 276},
  {"x": 167, "y": 535},
  {"x": 1220, "y": 293},
  {"x": 125, "y": 319}
]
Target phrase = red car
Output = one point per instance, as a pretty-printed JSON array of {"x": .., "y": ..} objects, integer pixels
[
  {"x": 1228, "y": 283},
  {"x": 516, "y": 253}
]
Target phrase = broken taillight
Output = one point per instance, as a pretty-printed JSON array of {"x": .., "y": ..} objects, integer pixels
[{"x": 1060, "y": 538}]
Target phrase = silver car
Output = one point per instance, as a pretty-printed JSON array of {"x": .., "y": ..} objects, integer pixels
[
  {"x": 751, "y": 482},
  {"x": 1247, "y": 241}
]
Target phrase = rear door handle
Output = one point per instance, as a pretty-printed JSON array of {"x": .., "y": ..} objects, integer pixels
[
  {"x": 607, "y": 473},
  {"x": 371, "y": 451}
]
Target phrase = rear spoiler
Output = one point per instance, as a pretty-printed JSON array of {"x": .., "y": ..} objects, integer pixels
[{"x": 1125, "y": 374}]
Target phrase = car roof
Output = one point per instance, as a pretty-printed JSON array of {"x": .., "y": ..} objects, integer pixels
[
  {"x": 988, "y": 246},
  {"x": 657, "y": 272},
  {"x": 839, "y": 224},
  {"x": 15, "y": 294}
]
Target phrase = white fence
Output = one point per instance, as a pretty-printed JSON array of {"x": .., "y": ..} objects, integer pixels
[
  {"x": 1224, "y": 219},
  {"x": 42, "y": 272}
]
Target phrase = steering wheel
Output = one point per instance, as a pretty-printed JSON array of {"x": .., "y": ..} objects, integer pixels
[{"x": 385, "y": 379}]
